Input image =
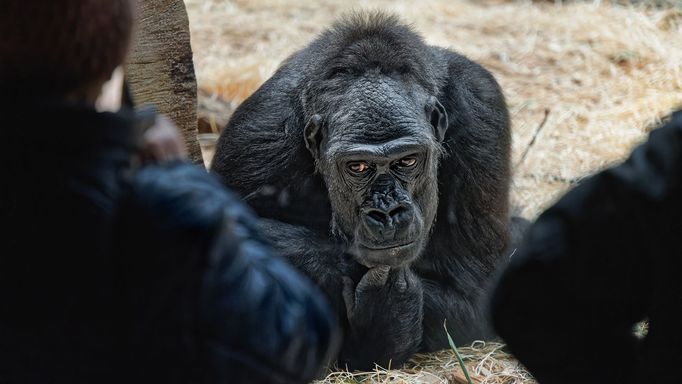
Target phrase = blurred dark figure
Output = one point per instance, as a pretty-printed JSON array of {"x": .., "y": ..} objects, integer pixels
[
  {"x": 606, "y": 256},
  {"x": 114, "y": 274}
]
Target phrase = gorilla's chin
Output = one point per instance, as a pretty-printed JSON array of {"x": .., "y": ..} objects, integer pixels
[{"x": 393, "y": 256}]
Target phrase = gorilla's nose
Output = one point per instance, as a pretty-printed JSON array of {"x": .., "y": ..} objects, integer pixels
[{"x": 388, "y": 224}]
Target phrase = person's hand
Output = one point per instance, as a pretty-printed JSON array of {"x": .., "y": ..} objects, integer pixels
[
  {"x": 109, "y": 99},
  {"x": 162, "y": 142}
]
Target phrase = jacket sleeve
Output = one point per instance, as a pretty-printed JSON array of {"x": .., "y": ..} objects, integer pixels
[
  {"x": 211, "y": 289},
  {"x": 593, "y": 265}
]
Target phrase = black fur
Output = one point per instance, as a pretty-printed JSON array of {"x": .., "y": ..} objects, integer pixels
[{"x": 367, "y": 81}]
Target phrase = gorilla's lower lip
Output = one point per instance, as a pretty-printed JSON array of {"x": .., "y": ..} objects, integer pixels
[
  {"x": 393, "y": 255},
  {"x": 384, "y": 248}
]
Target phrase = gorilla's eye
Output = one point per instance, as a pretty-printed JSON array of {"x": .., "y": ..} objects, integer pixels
[
  {"x": 358, "y": 166},
  {"x": 407, "y": 162}
]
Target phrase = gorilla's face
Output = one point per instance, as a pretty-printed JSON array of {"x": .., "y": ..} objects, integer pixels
[{"x": 378, "y": 154}]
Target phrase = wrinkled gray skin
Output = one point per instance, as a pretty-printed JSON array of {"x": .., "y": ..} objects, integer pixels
[
  {"x": 381, "y": 168},
  {"x": 385, "y": 213}
]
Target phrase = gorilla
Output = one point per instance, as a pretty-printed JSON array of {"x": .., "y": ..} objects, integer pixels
[{"x": 381, "y": 168}]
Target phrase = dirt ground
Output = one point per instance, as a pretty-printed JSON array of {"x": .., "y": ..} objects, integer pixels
[{"x": 584, "y": 81}]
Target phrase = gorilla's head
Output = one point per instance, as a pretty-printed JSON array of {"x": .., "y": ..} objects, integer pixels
[{"x": 377, "y": 146}]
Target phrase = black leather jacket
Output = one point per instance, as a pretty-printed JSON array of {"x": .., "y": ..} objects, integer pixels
[
  {"x": 606, "y": 256},
  {"x": 109, "y": 274}
]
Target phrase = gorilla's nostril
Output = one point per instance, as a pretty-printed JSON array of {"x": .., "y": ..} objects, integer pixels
[
  {"x": 398, "y": 211},
  {"x": 378, "y": 216}
]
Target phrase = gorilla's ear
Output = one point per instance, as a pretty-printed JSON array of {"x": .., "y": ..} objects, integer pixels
[
  {"x": 312, "y": 135},
  {"x": 438, "y": 117}
]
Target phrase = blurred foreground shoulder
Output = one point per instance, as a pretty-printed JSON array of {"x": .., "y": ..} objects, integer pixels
[
  {"x": 249, "y": 316},
  {"x": 603, "y": 258}
]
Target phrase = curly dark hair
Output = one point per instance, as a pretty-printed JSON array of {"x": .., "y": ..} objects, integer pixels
[{"x": 52, "y": 47}]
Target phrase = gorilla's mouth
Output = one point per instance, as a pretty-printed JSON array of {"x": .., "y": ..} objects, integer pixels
[
  {"x": 387, "y": 247},
  {"x": 392, "y": 255}
]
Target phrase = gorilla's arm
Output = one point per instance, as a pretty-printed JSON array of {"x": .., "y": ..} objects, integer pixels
[
  {"x": 471, "y": 236},
  {"x": 382, "y": 308},
  {"x": 462, "y": 312},
  {"x": 325, "y": 263},
  {"x": 384, "y": 311}
]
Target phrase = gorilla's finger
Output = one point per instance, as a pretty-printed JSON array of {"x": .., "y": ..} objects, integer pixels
[
  {"x": 402, "y": 280},
  {"x": 375, "y": 277},
  {"x": 349, "y": 295}
]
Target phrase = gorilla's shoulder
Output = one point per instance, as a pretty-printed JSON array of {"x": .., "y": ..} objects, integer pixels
[{"x": 468, "y": 74}]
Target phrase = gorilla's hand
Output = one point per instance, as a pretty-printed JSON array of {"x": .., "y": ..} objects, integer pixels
[
  {"x": 370, "y": 285},
  {"x": 384, "y": 312}
]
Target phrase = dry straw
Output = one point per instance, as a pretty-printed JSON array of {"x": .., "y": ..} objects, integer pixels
[
  {"x": 487, "y": 363},
  {"x": 605, "y": 73},
  {"x": 585, "y": 82}
]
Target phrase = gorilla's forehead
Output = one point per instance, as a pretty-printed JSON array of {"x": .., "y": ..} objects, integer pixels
[
  {"x": 367, "y": 127},
  {"x": 374, "y": 111},
  {"x": 379, "y": 101},
  {"x": 378, "y": 120}
]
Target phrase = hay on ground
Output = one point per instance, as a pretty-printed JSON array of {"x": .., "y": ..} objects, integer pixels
[{"x": 605, "y": 73}]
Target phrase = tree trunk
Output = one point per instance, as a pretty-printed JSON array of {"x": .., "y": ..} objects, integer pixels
[{"x": 160, "y": 70}]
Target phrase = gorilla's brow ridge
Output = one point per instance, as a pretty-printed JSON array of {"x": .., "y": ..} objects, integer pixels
[{"x": 394, "y": 148}]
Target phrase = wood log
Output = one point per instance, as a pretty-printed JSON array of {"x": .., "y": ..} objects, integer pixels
[{"x": 160, "y": 69}]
